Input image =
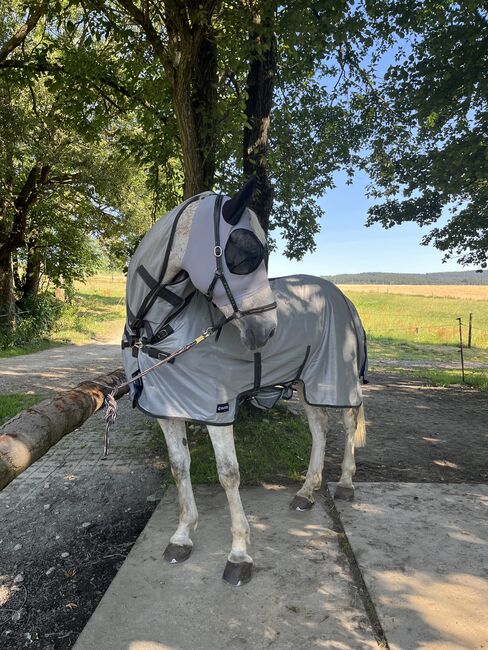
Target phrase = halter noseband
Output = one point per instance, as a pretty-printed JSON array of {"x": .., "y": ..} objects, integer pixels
[{"x": 219, "y": 275}]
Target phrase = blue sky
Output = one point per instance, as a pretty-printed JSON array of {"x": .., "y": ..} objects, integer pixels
[{"x": 345, "y": 245}]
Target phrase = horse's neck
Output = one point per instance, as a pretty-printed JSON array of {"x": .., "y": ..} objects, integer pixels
[{"x": 180, "y": 242}]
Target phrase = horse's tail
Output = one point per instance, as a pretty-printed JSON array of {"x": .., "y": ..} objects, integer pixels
[{"x": 360, "y": 433}]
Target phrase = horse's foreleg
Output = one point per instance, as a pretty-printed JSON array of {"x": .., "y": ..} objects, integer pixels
[
  {"x": 317, "y": 421},
  {"x": 238, "y": 569},
  {"x": 345, "y": 488},
  {"x": 180, "y": 545}
]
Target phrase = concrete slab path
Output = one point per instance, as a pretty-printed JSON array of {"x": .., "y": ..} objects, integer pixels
[
  {"x": 423, "y": 552},
  {"x": 301, "y": 595}
]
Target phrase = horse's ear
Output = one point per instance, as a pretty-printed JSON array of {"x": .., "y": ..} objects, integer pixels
[{"x": 234, "y": 207}]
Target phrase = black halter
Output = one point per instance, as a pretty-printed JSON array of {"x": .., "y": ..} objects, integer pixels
[{"x": 219, "y": 275}]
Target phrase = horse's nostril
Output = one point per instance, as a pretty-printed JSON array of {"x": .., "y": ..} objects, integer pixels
[{"x": 271, "y": 334}]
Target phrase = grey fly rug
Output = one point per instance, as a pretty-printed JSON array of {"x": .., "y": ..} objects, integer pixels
[{"x": 319, "y": 340}]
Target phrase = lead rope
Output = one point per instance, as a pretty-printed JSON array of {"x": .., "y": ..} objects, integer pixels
[{"x": 110, "y": 401}]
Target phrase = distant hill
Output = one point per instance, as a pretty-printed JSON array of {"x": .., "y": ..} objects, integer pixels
[{"x": 452, "y": 277}]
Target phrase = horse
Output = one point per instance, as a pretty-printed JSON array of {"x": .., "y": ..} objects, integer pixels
[{"x": 204, "y": 265}]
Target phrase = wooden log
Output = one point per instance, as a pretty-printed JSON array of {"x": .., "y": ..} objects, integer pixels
[{"x": 28, "y": 435}]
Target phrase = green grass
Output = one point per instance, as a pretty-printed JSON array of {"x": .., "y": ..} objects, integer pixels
[
  {"x": 37, "y": 346},
  {"x": 427, "y": 320},
  {"x": 270, "y": 445},
  {"x": 385, "y": 348},
  {"x": 12, "y": 404},
  {"x": 436, "y": 377},
  {"x": 98, "y": 312}
]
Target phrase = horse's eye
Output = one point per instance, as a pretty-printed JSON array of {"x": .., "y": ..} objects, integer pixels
[{"x": 243, "y": 252}]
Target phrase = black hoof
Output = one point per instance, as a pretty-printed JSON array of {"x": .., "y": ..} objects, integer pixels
[
  {"x": 300, "y": 503},
  {"x": 345, "y": 493},
  {"x": 237, "y": 573},
  {"x": 175, "y": 553}
]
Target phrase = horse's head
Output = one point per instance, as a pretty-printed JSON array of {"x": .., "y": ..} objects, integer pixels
[{"x": 225, "y": 259}]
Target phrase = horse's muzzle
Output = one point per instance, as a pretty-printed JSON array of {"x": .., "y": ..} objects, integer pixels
[{"x": 257, "y": 329}]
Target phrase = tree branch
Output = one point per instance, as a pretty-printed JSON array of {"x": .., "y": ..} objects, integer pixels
[
  {"x": 150, "y": 31},
  {"x": 20, "y": 35},
  {"x": 107, "y": 81}
]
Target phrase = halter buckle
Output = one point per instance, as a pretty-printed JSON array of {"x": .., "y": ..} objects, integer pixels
[
  {"x": 139, "y": 344},
  {"x": 218, "y": 251}
]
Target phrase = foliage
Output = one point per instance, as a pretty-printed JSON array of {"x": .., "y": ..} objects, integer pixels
[
  {"x": 34, "y": 323},
  {"x": 429, "y": 150}
]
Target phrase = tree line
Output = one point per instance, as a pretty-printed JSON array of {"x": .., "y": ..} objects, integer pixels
[{"x": 112, "y": 112}]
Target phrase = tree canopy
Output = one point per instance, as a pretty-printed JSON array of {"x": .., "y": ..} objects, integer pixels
[
  {"x": 111, "y": 112},
  {"x": 430, "y": 149}
]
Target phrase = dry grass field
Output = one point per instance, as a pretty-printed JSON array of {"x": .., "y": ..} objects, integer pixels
[
  {"x": 422, "y": 314},
  {"x": 463, "y": 292}
]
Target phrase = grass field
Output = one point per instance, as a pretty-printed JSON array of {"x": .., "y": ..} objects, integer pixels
[
  {"x": 403, "y": 322},
  {"x": 98, "y": 312},
  {"x": 463, "y": 292},
  {"x": 408, "y": 326}
]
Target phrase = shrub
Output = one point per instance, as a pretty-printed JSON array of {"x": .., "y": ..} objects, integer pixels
[{"x": 36, "y": 319}]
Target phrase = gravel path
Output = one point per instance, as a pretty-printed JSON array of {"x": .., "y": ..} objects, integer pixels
[
  {"x": 57, "y": 368},
  {"x": 71, "y": 518}
]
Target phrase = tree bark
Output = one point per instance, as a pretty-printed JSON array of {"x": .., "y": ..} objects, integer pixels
[
  {"x": 189, "y": 58},
  {"x": 260, "y": 88},
  {"x": 7, "y": 295},
  {"x": 32, "y": 273},
  {"x": 30, "y": 434}
]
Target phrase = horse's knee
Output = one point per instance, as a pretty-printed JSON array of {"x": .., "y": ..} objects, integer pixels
[
  {"x": 229, "y": 476},
  {"x": 179, "y": 467}
]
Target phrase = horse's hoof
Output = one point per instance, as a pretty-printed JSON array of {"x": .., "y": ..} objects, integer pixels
[
  {"x": 176, "y": 553},
  {"x": 237, "y": 573},
  {"x": 345, "y": 493},
  {"x": 300, "y": 503}
]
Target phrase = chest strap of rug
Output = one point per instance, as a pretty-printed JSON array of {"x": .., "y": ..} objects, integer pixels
[
  {"x": 156, "y": 291},
  {"x": 154, "y": 353}
]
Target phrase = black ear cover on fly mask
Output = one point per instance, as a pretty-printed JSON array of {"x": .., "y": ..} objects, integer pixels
[
  {"x": 234, "y": 207},
  {"x": 243, "y": 252}
]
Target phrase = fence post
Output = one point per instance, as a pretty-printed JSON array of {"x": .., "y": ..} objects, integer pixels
[
  {"x": 470, "y": 328},
  {"x": 461, "y": 346}
]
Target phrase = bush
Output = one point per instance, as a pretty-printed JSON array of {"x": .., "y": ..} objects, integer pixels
[{"x": 36, "y": 319}]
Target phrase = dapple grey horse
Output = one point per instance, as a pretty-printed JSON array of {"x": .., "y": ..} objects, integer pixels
[{"x": 214, "y": 258}]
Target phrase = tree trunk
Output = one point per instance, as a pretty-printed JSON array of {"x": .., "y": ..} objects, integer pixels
[
  {"x": 260, "y": 87},
  {"x": 187, "y": 130},
  {"x": 194, "y": 103},
  {"x": 32, "y": 273},
  {"x": 28, "y": 435},
  {"x": 7, "y": 296}
]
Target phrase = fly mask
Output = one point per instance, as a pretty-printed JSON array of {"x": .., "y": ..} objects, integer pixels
[{"x": 225, "y": 259}]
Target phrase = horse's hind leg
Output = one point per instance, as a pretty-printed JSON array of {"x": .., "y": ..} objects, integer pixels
[
  {"x": 318, "y": 422},
  {"x": 180, "y": 545},
  {"x": 353, "y": 419},
  {"x": 238, "y": 569}
]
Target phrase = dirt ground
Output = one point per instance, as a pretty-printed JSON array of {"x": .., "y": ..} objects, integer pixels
[
  {"x": 415, "y": 434},
  {"x": 418, "y": 433}
]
